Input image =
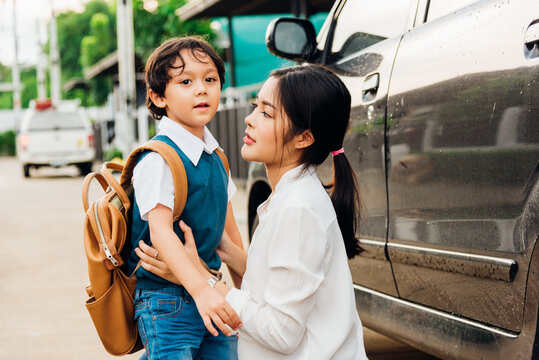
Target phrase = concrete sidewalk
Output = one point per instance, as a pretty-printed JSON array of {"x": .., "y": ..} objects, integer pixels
[{"x": 43, "y": 270}]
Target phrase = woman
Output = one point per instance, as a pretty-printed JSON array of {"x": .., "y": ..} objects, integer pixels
[{"x": 296, "y": 300}]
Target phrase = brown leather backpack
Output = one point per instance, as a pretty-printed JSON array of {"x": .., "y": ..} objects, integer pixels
[{"x": 105, "y": 233}]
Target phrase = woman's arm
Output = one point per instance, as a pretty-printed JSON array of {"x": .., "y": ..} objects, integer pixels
[
  {"x": 296, "y": 258},
  {"x": 233, "y": 256},
  {"x": 233, "y": 233}
]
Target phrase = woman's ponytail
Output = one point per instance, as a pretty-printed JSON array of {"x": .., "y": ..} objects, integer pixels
[
  {"x": 315, "y": 99},
  {"x": 346, "y": 201}
]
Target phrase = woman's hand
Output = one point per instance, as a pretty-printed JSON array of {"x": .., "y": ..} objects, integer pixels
[
  {"x": 149, "y": 260},
  {"x": 190, "y": 245},
  {"x": 149, "y": 257}
]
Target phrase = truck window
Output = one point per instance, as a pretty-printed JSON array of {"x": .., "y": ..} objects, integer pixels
[
  {"x": 363, "y": 23},
  {"x": 50, "y": 120},
  {"x": 439, "y": 8}
]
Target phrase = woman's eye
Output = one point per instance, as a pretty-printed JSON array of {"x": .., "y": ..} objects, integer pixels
[
  {"x": 253, "y": 106},
  {"x": 266, "y": 114},
  {"x": 185, "y": 82}
]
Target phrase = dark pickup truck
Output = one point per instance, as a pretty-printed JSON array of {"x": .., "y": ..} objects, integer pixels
[{"x": 444, "y": 139}]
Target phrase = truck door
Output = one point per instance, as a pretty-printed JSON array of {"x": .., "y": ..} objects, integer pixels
[
  {"x": 463, "y": 142},
  {"x": 359, "y": 41}
]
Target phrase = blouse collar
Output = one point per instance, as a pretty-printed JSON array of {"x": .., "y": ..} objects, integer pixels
[{"x": 290, "y": 177}]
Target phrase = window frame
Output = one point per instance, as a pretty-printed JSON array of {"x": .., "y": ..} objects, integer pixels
[{"x": 328, "y": 58}]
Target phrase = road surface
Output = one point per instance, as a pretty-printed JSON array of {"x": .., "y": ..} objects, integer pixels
[{"x": 43, "y": 270}]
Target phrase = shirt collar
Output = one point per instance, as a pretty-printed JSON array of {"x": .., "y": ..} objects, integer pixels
[
  {"x": 291, "y": 176},
  {"x": 295, "y": 174},
  {"x": 191, "y": 145}
]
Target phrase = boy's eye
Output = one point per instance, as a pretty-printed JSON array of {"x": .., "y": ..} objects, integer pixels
[
  {"x": 211, "y": 79},
  {"x": 185, "y": 82}
]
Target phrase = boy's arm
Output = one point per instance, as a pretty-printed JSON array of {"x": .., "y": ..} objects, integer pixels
[
  {"x": 211, "y": 305},
  {"x": 231, "y": 229}
]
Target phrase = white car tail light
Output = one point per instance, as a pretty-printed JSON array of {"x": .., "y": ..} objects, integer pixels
[{"x": 24, "y": 141}]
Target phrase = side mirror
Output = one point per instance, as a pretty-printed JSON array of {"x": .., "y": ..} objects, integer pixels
[{"x": 291, "y": 38}]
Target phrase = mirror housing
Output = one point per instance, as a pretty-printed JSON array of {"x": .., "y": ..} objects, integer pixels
[{"x": 291, "y": 38}]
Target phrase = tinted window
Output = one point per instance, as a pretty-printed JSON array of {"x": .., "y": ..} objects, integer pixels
[
  {"x": 363, "y": 23},
  {"x": 439, "y": 8},
  {"x": 52, "y": 120}
]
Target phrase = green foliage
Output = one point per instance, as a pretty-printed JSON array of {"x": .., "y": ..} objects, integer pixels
[
  {"x": 87, "y": 37},
  {"x": 29, "y": 83},
  {"x": 152, "y": 131},
  {"x": 73, "y": 27},
  {"x": 6, "y": 97},
  {"x": 83, "y": 39},
  {"x": 98, "y": 44},
  {"x": 29, "y": 87},
  {"x": 152, "y": 28},
  {"x": 7, "y": 143},
  {"x": 113, "y": 153}
]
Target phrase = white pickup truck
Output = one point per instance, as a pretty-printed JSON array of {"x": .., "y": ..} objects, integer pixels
[{"x": 55, "y": 135}]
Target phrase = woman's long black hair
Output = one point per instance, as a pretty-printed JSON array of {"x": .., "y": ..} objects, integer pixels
[{"x": 315, "y": 99}]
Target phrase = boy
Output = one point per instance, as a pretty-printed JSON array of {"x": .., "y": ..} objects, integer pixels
[{"x": 184, "y": 77}]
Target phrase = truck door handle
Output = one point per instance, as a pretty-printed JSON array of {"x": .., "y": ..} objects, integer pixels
[
  {"x": 371, "y": 83},
  {"x": 532, "y": 34}
]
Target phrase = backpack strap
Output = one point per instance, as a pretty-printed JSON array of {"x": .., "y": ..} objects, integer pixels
[
  {"x": 224, "y": 160},
  {"x": 86, "y": 185},
  {"x": 173, "y": 161}
]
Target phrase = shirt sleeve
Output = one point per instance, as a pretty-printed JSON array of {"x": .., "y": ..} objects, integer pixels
[
  {"x": 231, "y": 187},
  {"x": 153, "y": 184},
  {"x": 296, "y": 257}
]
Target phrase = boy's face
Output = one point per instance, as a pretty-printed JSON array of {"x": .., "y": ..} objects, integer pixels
[{"x": 191, "y": 97}]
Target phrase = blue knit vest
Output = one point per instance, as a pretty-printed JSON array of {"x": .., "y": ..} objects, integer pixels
[{"x": 205, "y": 212}]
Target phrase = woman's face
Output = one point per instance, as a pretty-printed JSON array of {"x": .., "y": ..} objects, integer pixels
[{"x": 264, "y": 136}]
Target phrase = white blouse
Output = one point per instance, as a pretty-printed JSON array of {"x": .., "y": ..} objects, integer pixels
[{"x": 297, "y": 300}]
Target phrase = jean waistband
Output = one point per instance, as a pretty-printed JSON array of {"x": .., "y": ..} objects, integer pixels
[{"x": 170, "y": 290}]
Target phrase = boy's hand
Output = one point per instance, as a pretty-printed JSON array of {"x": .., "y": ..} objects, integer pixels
[{"x": 212, "y": 306}]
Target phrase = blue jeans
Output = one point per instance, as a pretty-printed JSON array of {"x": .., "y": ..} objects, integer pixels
[{"x": 171, "y": 328}]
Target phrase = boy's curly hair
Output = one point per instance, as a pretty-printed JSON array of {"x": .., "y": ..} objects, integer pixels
[{"x": 157, "y": 71}]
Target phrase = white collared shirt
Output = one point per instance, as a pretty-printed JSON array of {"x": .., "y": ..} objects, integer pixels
[
  {"x": 296, "y": 300},
  {"x": 158, "y": 188}
]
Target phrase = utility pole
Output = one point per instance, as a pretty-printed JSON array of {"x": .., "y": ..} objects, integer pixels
[
  {"x": 16, "y": 81},
  {"x": 54, "y": 60},
  {"x": 40, "y": 70},
  {"x": 125, "y": 119}
]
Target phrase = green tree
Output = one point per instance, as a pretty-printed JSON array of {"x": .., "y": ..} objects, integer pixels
[
  {"x": 6, "y": 97},
  {"x": 152, "y": 28},
  {"x": 87, "y": 37},
  {"x": 73, "y": 27},
  {"x": 29, "y": 86},
  {"x": 99, "y": 43},
  {"x": 94, "y": 47}
]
